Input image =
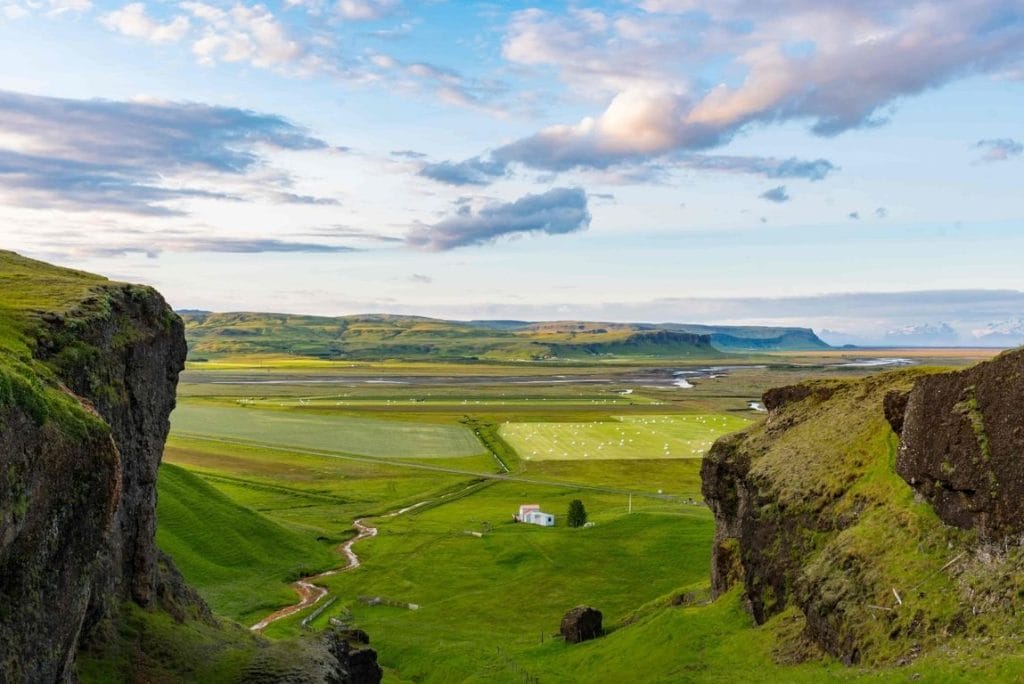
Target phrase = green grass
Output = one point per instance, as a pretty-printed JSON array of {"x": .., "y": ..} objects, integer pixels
[
  {"x": 505, "y": 589},
  {"x": 240, "y": 560},
  {"x": 628, "y": 437},
  {"x": 484, "y": 602},
  {"x": 346, "y": 434},
  {"x": 27, "y": 289}
]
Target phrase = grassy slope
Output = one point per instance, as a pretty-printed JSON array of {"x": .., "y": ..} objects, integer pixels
[
  {"x": 238, "y": 558},
  {"x": 504, "y": 590},
  {"x": 27, "y": 289}
]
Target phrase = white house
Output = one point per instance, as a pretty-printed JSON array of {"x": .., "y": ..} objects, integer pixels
[{"x": 531, "y": 513}]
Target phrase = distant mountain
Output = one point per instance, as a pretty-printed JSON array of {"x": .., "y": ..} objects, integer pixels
[
  {"x": 383, "y": 336},
  {"x": 754, "y": 338},
  {"x": 1008, "y": 333},
  {"x": 923, "y": 335}
]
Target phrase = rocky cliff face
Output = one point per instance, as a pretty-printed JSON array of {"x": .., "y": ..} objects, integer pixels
[
  {"x": 88, "y": 373},
  {"x": 79, "y": 531},
  {"x": 962, "y": 444},
  {"x": 814, "y": 521}
]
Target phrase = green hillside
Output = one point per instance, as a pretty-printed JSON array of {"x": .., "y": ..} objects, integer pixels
[
  {"x": 412, "y": 338},
  {"x": 27, "y": 289},
  {"x": 239, "y": 560}
]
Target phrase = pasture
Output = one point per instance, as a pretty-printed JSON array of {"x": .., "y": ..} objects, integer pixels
[
  {"x": 263, "y": 483},
  {"x": 626, "y": 437},
  {"x": 346, "y": 434}
]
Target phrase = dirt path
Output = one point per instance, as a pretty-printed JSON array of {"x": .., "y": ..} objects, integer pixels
[{"x": 310, "y": 593}]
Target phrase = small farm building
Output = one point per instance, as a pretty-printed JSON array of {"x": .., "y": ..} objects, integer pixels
[{"x": 531, "y": 513}]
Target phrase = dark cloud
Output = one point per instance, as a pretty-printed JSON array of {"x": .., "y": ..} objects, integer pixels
[
  {"x": 131, "y": 157},
  {"x": 557, "y": 211},
  {"x": 491, "y": 167},
  {"x": 854, "y": 216},
  {"x": 408, "y": 154},
  {"x": 1000, "y": 149},
  {"x": 777, "y": 194},
  {"x": 881, "y": 212},
  {"x": 473, "y": 171},
  {"x": 809, "y": 169}
]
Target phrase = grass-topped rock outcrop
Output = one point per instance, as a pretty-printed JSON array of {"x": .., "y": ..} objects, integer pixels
[
  {"x": 88, "y": 370},
  {"x": 816, "y": 525},
  {"x": 88, "y": 374},
  {"x": 962, "y": 444}
]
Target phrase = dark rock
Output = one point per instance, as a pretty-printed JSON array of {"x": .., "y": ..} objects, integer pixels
[
  {"x": 78, "y": 539},
  {"x": 582, "y": 623},
  {"x": 357, "y": 662},
  {"x": 778, "y": 397},
  {"x": 895, "y": 407},
  {"x": 961, "y": 444}
]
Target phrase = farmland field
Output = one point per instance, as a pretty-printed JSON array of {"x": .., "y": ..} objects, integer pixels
[
  {"x": 361, "y": 436},
  {"x": 268, "y": 467},
  {"x": 626, "y": 437}
]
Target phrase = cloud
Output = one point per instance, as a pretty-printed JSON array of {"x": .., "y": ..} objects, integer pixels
[
  {"x": 1000, "y": 149},
  {"x": 854, "y": 216},
  {"x": 420, "y": 279},
  {"x": 153, "y": 248},
  {"x": 557, "y": 211},
  {"x": 486, "y": 169},
  {"x": 366, "y": 10},
  {"x": 881, "y": 212},
  {"x": 769, "y": 167},
  {"x": 448, "y": 85},
  {"x": 408, "y": 154},
  {"x": 473, "y": 171},
  {"x": 834, "y": 65},
  {"x": 777, "y": 194},
  {"x": 131, "y": 20},
  {"x": 132, "y": 157}
]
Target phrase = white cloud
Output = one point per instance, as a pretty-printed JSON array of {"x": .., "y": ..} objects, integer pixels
[
  {"x": 244, "y": 34},
  {"x": 365, "y": 10},
  {"x": 59, "y": 7},
  {"x": 132, "y": 20},
  {"x": 834, "y": 64}
]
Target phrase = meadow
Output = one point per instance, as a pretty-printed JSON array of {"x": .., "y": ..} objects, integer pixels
[
  {"x": 262, "y": 483},
  {"x": 626, "y": 437}
]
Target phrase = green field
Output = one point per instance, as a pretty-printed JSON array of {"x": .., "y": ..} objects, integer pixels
[
  {"x": 239, "y": 557},
  {"x": 627, "y": 437},
  {"x": 345, "y": 434},
  {"x": 295, "y": 464}
]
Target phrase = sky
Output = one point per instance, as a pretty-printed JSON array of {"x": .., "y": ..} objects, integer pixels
[{"x": 852, "y": 166}]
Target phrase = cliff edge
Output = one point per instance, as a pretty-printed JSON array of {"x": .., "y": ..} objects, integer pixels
[
  {"x": 875, "y": 548},
  {"x": 88, "y": 374},
  {"x": 89, "y": 370}
]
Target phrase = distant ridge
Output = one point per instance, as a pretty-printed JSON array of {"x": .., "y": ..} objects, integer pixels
[{"x": 386, "y": 336}]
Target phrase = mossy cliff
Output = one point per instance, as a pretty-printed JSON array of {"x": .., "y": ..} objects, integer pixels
[
  {"x": 813, "y": 518},
  {"x": 88, "y": 373}
]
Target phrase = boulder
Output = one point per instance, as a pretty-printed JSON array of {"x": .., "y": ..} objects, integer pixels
[{"x": 582, "y": 623}]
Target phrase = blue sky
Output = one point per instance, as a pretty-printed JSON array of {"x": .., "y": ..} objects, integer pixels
[{"x": 650, "y": 160}]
